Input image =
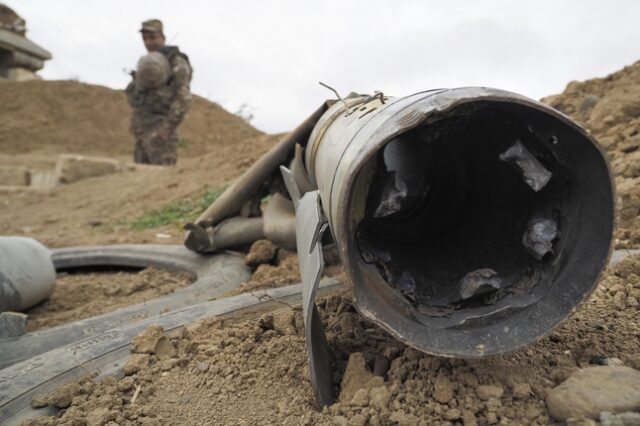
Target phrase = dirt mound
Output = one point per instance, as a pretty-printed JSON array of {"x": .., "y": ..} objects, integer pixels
[
  {"x": 68, "y": 116},
  {"x": 255, "y": 372},
  {"x": 610, "y": 108}
]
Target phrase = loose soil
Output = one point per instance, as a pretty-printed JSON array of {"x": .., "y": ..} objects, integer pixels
[
  {"x": 254, "y": 371},
  {"x": 79, "y": 296}
]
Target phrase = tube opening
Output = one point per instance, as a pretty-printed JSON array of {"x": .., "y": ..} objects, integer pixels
[{"x": 465, "y": 215}]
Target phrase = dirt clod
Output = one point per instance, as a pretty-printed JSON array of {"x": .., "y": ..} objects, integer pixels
[
  {"x": 262, "y": 251},
  {"x": 136, "y": 363},
  {"x": 356, "y": 377},
  {"x": 152, "y": 341},
  {"x": 100, "y": 417}
]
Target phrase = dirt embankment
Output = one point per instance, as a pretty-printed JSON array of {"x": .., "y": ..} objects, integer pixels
[
  {"x": 610, "y": 108},
  {"x": 71, "y": 117}
]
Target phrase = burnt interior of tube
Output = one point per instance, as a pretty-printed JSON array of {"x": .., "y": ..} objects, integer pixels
[{"x": 465, "y": 212}]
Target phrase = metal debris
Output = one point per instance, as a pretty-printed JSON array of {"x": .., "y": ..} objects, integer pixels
[
  {"x": 405, "y": 180},
  {"x": 533, "y": 172},
  {"x": 479, "y": 282},
  {"x": 539, "y": 236},
  {"x": 405, "y": 283},
  {"x": 393, "y": 193}
]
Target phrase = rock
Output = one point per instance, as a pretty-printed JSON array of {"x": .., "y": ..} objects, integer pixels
[
  {"x": 262, "y": 251},
  {"x": 284, "y": 322},
  {"x": 379, "y": 397},
  {"x": 202, "y": 366},
  {"x": 588, "y": 102},
  {"x": 402, "y": 418},
  {"x": 72, "y": 168},
  {"x": 620, "y": 300},
  {"x": 492, "y": 418},
  {"x": 521, "y": 390},
  {"x": 12, "y": 324},
  {"x": 125, "y": 384},
  {"x": 443, "y": 389},
  {"x": 355, "y": 377},
  {"x": 360, "y": 399},
  {"x": 14, "y": 176},
  {"x": 136, "y": 363},
  {"x": 590, "y": 391},
  {"x": 100, "y": 416},
  {"x": 62, "y": 397},
  {"x": 39, "y": 401},
  {"x": 152, "y": 341},
  {"x": 623, "y": 419},
  {"x": 485, "y": 392},
  {"x": 452, "y": 414},
  {"x": 493, "y": 404},
  {"x": 469, "y": 419}
]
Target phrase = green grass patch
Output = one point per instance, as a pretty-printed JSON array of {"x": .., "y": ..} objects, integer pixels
[
  {"x": 209, "y": 197},
  {"x": 176, "y": 212}
]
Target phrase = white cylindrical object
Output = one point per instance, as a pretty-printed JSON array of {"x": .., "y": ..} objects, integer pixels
[{"x": 27, "y": 274}]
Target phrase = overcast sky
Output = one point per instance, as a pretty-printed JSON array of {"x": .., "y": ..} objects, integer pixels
[{"x": 270, "y": 55}]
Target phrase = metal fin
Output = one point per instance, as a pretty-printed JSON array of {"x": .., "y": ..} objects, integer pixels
[{"x": 310, "y": 225}]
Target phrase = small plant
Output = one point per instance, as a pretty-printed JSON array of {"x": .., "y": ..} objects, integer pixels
[
  {"x": 178, "y": 211},
  {"x": 209, "y": 197},
  {"x": 265, "y": 200},
  {"x": 173, "y": 212},
  {"x": 183, "y": 142},
  {"x": 245, "y": 112}
]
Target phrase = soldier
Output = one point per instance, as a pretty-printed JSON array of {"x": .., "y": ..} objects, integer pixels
[{"x": 159, "y": 106}]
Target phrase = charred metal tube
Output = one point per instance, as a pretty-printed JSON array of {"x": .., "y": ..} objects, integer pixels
[
  {"x": 234, "y": 232},
  {"x": 246, "y": 186},
  {"x": 27, "y": 275},
  {"x": 280, "y": 222},
  {"x": 470, "y": 221}
]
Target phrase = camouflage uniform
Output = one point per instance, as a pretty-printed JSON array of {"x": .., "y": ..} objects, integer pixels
[{"x": 162, "y": 107}]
